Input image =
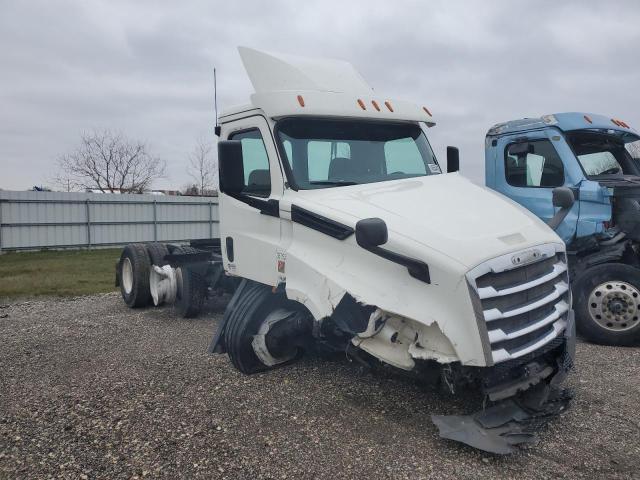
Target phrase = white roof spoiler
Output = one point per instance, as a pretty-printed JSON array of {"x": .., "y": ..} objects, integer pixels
[
  {"x": 287, "y": 85},
  {"x": 271, "y": 72}
]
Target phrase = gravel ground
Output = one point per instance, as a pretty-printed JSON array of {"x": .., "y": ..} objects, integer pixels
[{"x": 90, "y": 389}]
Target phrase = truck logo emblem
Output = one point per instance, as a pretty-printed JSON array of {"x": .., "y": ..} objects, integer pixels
[{"x": 525, "y": 257}]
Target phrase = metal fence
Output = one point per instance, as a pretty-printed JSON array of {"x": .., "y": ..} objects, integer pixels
[{"x": 41, "y": 220}]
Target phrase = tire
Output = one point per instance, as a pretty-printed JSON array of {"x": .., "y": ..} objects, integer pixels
[
  {"x": 191, "y": 295},
  {"x": 157, "y": 252},
  {"x": 191, "y": 289},
  {"x": 133, "y": 269},
  {"x": 607, "y": 304},
  {"x": 254, "y": 305}
]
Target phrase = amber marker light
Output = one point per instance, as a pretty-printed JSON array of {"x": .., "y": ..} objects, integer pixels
[
  {"x": 301, "y": 100},
  {"x": 375, "y": 105},
  {"x": 388, "y": 105}
]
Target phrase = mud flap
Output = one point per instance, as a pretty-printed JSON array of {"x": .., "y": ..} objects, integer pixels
[{"x": 217, "y": 344}]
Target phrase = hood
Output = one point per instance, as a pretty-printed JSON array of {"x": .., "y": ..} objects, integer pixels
[{"x": 446, "y": 213}]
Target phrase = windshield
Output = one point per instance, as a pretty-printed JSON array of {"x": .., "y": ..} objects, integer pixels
[
  {"x": 325, "y": 153},
  {"x": 606, "y": 152}
]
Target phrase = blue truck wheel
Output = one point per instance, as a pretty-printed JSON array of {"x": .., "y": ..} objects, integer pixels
[{"x": 607, "y": 304}]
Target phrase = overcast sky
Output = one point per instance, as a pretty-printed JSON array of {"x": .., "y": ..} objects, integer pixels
[{"x": 146, "y": 67}]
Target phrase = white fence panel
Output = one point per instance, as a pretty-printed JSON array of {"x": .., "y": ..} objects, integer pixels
[{"x": 37, "y": 220}]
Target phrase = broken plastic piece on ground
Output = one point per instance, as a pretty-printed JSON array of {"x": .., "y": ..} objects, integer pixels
[{"x": 507, "y": 424}]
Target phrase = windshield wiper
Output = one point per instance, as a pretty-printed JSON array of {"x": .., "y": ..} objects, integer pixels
[{"x": 333, "y": 183}]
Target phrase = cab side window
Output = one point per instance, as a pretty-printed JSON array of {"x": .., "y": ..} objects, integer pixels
[
  {"x": 257, "y": 178},
  {"x": 533, "y": 164}
]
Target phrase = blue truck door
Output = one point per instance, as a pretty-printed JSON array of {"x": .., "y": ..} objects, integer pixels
[{"x": 527, "y": 169}]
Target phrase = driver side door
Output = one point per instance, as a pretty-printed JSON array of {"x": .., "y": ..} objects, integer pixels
[{"x": 530, "y": 170}]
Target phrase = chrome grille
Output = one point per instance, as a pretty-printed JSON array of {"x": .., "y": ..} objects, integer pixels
[{"x": 525, "y": 299}]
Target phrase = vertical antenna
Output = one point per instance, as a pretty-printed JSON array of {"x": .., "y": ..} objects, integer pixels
[{"x": 215, "y": 101}]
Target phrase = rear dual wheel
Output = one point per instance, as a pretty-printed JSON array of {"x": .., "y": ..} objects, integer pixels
[
  {"x": 192, "y": 289},
  {"x": 134, "y": 269},
  {"x": 607, "y": 303},
  {"x": 157, "y": 252}
]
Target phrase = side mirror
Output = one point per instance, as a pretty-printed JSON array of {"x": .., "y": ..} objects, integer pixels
[
  {"x": 453, "y": 159},
  {"x": 230, "y": 167},
  {"x": 371, "y": 232},
  {"x": 563, "y": 197}
]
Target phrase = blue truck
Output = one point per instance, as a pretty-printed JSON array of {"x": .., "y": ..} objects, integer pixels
[{"x": 595, "y": 161}]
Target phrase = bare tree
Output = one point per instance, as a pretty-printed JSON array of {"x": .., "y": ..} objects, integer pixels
[
  {"x": 203, "y": 167},
  {"x": 109, "y": 162},
  {"x": 191, "y": 189}
]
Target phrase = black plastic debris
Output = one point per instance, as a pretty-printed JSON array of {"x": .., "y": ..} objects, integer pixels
[{"x": 507, "y": 424}]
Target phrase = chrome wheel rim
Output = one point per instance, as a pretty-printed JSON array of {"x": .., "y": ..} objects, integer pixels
[
  {"x": 614, "y": 306},
  {"x": 127, "y": 276}
]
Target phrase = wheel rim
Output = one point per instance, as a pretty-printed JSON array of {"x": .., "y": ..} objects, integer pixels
[
  {"x": 154, "y": 286},
  {"x": 259, "y": 343},
  {"x": 127, "y": 276},
  {"x": 614, "y": 306}
]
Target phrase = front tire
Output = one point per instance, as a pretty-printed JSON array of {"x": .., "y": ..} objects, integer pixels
[
  {"x": 264, "y": 330},
  {"x": 607, "y": 304}
]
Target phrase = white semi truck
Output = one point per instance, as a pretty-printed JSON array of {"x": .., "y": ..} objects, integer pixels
[{"x": 342, "y": 231}]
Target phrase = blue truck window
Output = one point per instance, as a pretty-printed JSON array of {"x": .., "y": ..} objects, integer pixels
[
  {"x": 634, "y": 149},
  {"x": 604, "y": 153},
  {"x": 533, "y": 164},
  {"x": 599, "y": 162}
]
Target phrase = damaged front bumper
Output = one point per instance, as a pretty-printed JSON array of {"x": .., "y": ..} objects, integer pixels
[{"x": 523, "y": 395}]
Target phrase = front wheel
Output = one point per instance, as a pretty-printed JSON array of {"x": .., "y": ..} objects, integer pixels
[
  {"x": 607, "y": 304},
  {"x": 264, "y": 329}
]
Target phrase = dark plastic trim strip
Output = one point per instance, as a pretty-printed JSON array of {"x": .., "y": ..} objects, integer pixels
[
  {"x": 269, "y": 207},
  {"x": 320, "y": 223},
  {"x": 417, "y": 268}
]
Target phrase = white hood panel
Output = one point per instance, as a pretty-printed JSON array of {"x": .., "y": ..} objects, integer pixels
[{"x": 446, "y": 213}]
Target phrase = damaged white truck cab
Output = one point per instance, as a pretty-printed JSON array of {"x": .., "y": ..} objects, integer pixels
[{"x": 334, "y": 210}]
